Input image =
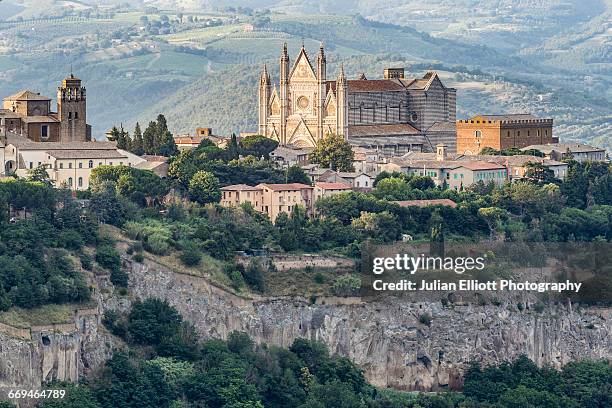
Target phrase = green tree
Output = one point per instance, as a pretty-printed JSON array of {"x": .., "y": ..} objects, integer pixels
[
  {"x": 334, "y": 152},
  {"x": 295, "y": 174},
  {"x": 539, "y": 174},
  {"x": 258, "y": 146},
  {"x": 233, "y": 152},
  {"x": 40, "y": 174},
  {"x": 137, "y": 146},
  {"x": 494, "y": 216},
  {"x": 204, "y": 187},
  {"x": 123, "y": 139},
  {"x": 149, "y": 142}
]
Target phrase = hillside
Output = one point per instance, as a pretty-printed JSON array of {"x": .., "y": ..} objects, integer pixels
[{"x": 137, "y": 63}]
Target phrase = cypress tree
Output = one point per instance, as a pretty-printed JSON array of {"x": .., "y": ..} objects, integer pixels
[
  {"x": 148, "y": 138},
  {"x": 136, "y": 146}
]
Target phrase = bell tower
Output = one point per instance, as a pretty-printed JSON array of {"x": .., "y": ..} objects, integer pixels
[{"x": 72, "y": 110}]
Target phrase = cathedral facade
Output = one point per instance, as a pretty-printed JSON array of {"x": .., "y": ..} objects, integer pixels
[{"x": 393, "y": 114}]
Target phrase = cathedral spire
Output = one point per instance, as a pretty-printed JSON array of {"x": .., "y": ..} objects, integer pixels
[
  {"x": 342, "y": 77},
  {"x": 265, "y": 77},
  {"x": 285, "y": 54},
  {"x": 322, "y": 52}
]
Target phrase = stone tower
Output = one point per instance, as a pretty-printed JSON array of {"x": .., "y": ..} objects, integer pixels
[
  {"x": 265, "y": 91},
  {"x": 284, "y": 94},
  {"x": 72, "y": 110},
  {"x": 321, "y": 91},
  {"x": 342, "y": 98}
]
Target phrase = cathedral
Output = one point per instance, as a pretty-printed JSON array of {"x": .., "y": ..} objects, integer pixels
[{"x": 393, "y": 115}]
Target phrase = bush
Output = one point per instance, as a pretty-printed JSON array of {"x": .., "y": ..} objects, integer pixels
[
  {"x": 114, "y": 323},
  {"x": 86, "y": 261},
  {"x": 70, "y": 239},
  {"x": 191, "y": 255},
  {"x": 253, "y": 275},
  {"x": 108, "y": 257},
  {"x": 157, "y": 244},
  {"x": 425, "y": 319},
  {"x": 346, "y": 285},
  {"x": 138, "y": 257},
  {"x": 119, "y": 278},
  {"x": 319, "y": 278},
  {"x": 152, "y": 320}
]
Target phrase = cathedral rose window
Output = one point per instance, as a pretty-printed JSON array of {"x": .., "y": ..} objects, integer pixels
[{"x": 303, "y": 102}]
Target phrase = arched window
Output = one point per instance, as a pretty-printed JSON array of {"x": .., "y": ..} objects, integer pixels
[
  {"x": 69, "y": 181},
  {"x": 80, "y": 181},
  {"x": 477, "y": 133},
  {"x": 91, "y": 164}
]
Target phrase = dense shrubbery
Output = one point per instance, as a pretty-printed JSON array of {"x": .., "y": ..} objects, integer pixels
[{"x": 33, "y": 270}]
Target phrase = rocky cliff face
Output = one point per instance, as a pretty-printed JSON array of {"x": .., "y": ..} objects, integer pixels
[
  {"x": 32, "y": 357},
  {"x": 386, "y": 338}
]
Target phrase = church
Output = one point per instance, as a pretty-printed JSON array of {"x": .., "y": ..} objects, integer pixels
[{"x": 393, "y": 115}]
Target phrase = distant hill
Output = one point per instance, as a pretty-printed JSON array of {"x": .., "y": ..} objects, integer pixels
[{"x": 201, "y": 68}]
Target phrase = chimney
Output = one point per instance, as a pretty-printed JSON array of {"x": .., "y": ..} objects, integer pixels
[
  {"x": 441, "y": 152},
  {"x": 394, "y": 73}
]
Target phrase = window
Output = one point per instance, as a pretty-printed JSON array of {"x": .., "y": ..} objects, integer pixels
[
  {"x": 31, "y": 165},
  {"x": 69, "y": 165},
  {"x": 69, "y": 115},
  {"x": 61, "y": 165},
  {"x": 80, "y": 165},
  {"x": 76, "y": 115},
  {"x": 110, "y": 163},
  {"x": 44, "y": 131},
  {"x": 477, "y": 133},
  {"x": 80, "y": 181},
  {"x": 69, "y": 181},
  {"x": 99, "y": 164},
  {"x": 121, "y": 163},
  {"x": 91, "y": 164},
  {"x": 518, "y": 133},
  {"x": 528, "y": 132},
  {"x": 508, "y": 135}
]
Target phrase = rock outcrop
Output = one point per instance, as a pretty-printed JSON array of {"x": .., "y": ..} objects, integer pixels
[{"x": 386, "y": 338}]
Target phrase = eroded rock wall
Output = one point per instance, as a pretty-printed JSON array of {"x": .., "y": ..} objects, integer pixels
[{"x": 386, "y": 338}]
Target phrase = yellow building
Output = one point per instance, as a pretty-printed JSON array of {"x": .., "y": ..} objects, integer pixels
[{"x": 274, "y": 199}]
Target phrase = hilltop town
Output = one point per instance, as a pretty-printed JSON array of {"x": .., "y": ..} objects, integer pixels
[
  {"x": 143, "y": 268},
  {"x": 393, "y": 125}
]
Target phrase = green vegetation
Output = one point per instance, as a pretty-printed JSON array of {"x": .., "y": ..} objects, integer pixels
[
  {"x": 36, "y": 221},
  {"x": 333, "y": 152}
]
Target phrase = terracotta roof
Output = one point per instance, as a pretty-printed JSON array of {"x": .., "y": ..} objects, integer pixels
[
  {"x": 152, "y": 158},
  {"x": 443, "y": 127},
  {"x": 374, "y": 85},
  {"x": 382, "y": 130},
  {"x": 285, "y": 187},
  {"x": 240, "y": 187},
  {"x": 332, "y": 186},
  {"x": 26, "y": 95},
  {"x": 480, "y": 165},
  {"x": 86, "y": 154},
  {"x": 425, "y": 203},
  {"x": 26, "y": 144}
]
